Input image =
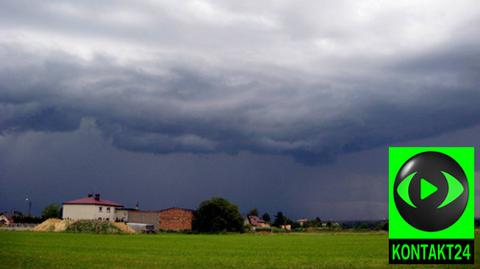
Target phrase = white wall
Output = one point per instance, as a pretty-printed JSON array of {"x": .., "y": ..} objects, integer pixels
[{"x": 90, "y": 212}]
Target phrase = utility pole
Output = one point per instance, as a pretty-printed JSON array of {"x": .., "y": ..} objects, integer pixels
[{"x": 29, "y": 206}]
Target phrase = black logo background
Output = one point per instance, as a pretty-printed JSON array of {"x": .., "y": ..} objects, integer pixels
[{"x": 427, "y": 216}]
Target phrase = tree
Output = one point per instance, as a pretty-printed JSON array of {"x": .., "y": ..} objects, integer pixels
[
  {"x": 217, "y": 215},
  {"x": 52, "y": 211},
  {"x": 266, "y": 217},
  {"x": 253, "y": 212},
  {"x": 280, "y": 219}
]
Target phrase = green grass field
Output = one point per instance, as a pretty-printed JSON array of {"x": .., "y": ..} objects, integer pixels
[{"x": 323, "y": 250}]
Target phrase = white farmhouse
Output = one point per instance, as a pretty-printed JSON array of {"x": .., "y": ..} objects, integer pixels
[{"x": 90, "y": 208}]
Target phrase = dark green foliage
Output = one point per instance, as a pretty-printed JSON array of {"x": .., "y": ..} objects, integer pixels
[
  {"x": 266, "y": 217},
  {"x": 18, "y": 217},
  {"x": 278, "y": 230},
  {"x": 93, "y": 226},
  {"x": 52, "y": 211},
  {"x": 253, "y": 212},
  {"x": 293, "y": 224},
  {"x": 217, "y": 215},
  {"x": 366, "y": 225},
  {"x": 263, "y": 229},
  {"x": 280, "y": 219},
  {"x": 317, "y": 222},
  {"x": 385, "y": 226}
]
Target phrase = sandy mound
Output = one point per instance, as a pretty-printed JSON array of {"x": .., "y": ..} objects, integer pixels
[
  {"x": 124, "y": 227},
  {"x": 58, "y": 225},
  {"x": 52, "y": 225}
]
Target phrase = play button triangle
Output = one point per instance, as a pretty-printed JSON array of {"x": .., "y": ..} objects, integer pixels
[{"x": 426, "y": 188}]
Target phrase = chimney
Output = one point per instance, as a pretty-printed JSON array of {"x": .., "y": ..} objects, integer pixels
[
  {"x": 97, "y": 196},
  {"x": 90, "y": 195}
]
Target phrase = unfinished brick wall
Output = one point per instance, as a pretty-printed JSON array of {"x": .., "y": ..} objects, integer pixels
[
  {"x": 148, "y": 217},
  {"x": 176, "y": 219}
]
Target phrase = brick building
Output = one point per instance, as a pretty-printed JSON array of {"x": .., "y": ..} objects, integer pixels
[{"x": 176, "y": 219}]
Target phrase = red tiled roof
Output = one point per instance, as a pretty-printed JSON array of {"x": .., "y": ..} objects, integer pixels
[
  {"x": 92, "y": 201},
  {"x": 179, "y": 208},
  {"x": 254, "y": 220}
]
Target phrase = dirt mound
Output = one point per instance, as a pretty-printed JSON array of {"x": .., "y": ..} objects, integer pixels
[
  {"x": 52, "y": 225},
  {"x": 124, "y": 227},
  {"x": 58, "y": 225}
]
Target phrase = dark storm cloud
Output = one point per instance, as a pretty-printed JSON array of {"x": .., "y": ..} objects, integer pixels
[
  {"x": 78, "y": 162},
  {"x": 215, "y": 77},
  {"x": 190, "y": 111},
  {"x": 81, "y": 161}
]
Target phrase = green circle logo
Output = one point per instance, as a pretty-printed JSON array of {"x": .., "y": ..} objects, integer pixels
[{"x": 431, "y": 191}]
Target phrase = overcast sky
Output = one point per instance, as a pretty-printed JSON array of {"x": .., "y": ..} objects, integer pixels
[{"x": 280, "y": 105}]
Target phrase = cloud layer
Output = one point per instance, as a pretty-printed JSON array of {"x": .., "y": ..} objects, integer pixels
[{"x": 304, "y": 79}]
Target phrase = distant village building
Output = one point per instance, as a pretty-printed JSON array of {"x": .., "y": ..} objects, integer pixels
[
  {"x": 256, "y": 222},
  {"x": 93, "y": 207},
  {"x": 302, "y": 221},
  {"x": 5, "y": 219},
  {"x": 176, "y": 219},
  {"x": 90, "y": 208}
]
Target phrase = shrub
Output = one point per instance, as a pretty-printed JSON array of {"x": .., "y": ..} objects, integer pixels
[
  {"x": 93, "y": 226},
  {"x": 263, "y": 229},
  {"x": 278, "y": 230},
  {"x": 52, "y": 211}
]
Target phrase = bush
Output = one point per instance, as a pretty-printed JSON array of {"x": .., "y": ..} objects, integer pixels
[
  {"x": 52, "y": 211},
  {"x": 26, "y": 219},
  {"x": 93, "y": 226},
  {"x": 278, "y": 230},
  {"x": 263, "y": 229}
]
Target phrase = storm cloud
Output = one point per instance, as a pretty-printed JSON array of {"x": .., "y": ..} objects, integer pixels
[{"x": 306, "y": 80}]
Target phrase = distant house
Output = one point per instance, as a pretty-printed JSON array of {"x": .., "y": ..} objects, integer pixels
[
  {"x": 176, "y": 219},
  {"x": 302, "y": 221},
  {"x": 91, "y": 208},
  {"x": 5, "y": 219},
  {"x": 257, "y": 222}
]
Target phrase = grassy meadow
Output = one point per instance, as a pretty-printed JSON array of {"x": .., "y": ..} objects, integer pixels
[{"x": 295, "y": 250}]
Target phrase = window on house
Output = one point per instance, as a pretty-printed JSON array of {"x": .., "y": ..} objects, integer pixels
[
  {"x": 108, "y": 209},
  {"x": 99, "y": 218},
  {"x": 108, "y": 219},
  {"x": 100, "y": 209}
]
